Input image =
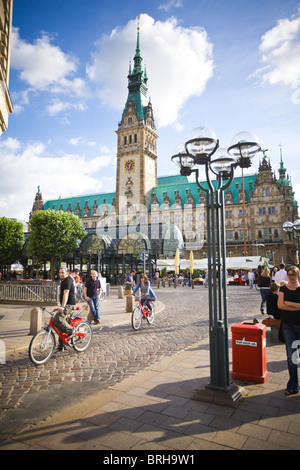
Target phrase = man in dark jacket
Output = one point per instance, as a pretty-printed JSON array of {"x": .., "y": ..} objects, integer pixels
[
  {"x": 92, "y": 290},
  {"x": 68, "y": 301}
]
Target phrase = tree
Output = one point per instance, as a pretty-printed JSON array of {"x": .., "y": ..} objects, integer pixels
[
  {"x": 11, "y": 241},
  {"x": 54, "y": 234}
]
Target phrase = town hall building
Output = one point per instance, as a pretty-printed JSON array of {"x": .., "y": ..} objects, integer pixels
[{"x": 148, "y": 217}]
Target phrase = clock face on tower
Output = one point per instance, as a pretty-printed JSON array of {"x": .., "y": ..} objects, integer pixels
[{"x": 129, "y": 165}]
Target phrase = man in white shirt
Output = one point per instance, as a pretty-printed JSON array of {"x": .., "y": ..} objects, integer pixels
[
  {"x": 251, "y": 278},
  {"x": 281, "y": 275}
]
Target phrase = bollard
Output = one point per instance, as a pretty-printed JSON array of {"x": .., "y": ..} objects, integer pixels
[
  {"x": 137, "y": 295},
  {"x": 107, "y": 294},
  {"x": 129, "y": 303},
  {"x": 85, "y": 309},
  {"x": 120, "y": 292},
  {"x": 35, "y": 320},
  {"x": 90, "y": 316}
]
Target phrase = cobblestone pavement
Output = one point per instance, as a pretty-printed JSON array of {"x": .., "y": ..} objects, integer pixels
[{"x": 30, "y": 393}]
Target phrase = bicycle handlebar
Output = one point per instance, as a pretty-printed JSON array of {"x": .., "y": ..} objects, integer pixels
[
  {"x": 73, "y": 313},
  {"x": 52, "y": 312},
  {"x": 146, "y": 298}
]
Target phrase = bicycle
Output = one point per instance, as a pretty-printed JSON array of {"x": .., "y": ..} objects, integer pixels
[
  {"x": 142, "y": 312},
  {"x": 120, "y": 280},
  {"x": 79, "y": 294},
  {"x": 43, "y": 343}
]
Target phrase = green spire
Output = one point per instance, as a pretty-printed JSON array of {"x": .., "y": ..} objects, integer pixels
[
  {"x": 136, "y": 76},
  {"x": 145, "y": 75},
  {"x": 137, "y": 58},
  {"x": 282, "y": 169},
  {"x": 137, "y": 82}
]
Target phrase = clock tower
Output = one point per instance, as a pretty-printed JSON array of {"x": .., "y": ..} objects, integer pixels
[{"x": 136, "y": 157}]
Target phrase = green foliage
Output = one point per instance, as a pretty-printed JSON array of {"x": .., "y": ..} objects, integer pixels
[
  {"x": 54, "y": 234},
  {"x": 164, "y": 272},
  {"x": 11, "y": 241}
]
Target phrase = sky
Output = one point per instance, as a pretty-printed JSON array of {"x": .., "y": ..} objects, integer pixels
[{"x": 229, "y": 65}]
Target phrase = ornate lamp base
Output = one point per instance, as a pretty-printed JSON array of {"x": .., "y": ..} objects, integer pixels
[{"x": 229, "y": 397}]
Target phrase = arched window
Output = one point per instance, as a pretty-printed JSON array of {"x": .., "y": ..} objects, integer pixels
[{"x": 172, "y": 239}]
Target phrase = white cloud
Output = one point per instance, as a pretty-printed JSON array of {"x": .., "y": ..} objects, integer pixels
[
  {"x": 81, "y": 141},
  {"x": 76, "y": 140},
  {"x": 179, "y": 61},
  {"x": 171, "y": 4},
  {"x": 76, "y": 87},
  {"x": 56, "y": 106},
  {"x": 44, "y": 67},
  {"x": 41, "y": 64},
  {"x": 18, "y": 109},
  {"x": 27, "y": 166},
  {"x": 280, "y": 48}
]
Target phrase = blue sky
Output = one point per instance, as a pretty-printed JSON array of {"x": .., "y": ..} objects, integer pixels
[{"x": 227, "y": 65}]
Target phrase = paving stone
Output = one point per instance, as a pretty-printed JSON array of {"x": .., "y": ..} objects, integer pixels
[{"x": 155, "y": 372}]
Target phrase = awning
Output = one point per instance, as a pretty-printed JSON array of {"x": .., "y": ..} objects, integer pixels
[{"x": 238, "y": 262}]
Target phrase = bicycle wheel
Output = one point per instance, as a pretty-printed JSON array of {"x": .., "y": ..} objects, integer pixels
[
  {"x": 102, "y": 296},
  {"x": 81, "y": 343},
  {"x": 41, "y": 347},
  {"x": 136, "y": 318},
  {"x": 151, "y": 315}
]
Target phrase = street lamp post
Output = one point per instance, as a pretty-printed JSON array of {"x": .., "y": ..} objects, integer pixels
[
  {"x": 290, "y": 227},
  {"x": 201, "y": 145}
]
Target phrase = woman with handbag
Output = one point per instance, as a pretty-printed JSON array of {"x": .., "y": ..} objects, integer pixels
[
  {"x": 289, "y": 304},
  {"x": 264, "y": 282},
  {"x": 129, "y": 282}
]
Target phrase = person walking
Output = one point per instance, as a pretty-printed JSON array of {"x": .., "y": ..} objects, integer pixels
[
  {"x": 78, "y": 283},
  {"x": 251, "y": 278},
  {"x": 289, "y": 304},
  {"x": 281, "y": 275},
  {"x": 264, "y": 282},
  {"x": 92, "y": 291},
  {"x": 129, "y": 282},
  {"x": 67, "y": 300},
  {"x": 273, "y": 274}
]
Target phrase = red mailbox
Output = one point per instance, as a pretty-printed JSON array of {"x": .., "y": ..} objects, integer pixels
[{"x": 249, "y": 359}]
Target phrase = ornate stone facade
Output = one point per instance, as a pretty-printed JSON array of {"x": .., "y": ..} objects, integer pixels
[
  {"x": 145, "y": 211},
  {"x": 6, "y": 8},
  {"x": 38, "y": 204},
  {"x": 137, "y": 157}
]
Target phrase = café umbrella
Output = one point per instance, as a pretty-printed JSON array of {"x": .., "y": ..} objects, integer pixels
[
  {"x": 191, "y": 262},
  {"x": 177, "y": 262}
]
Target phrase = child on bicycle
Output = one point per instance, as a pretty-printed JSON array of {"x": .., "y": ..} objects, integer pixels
[{"x": 146, "y": 291}]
